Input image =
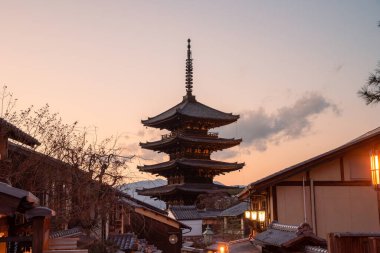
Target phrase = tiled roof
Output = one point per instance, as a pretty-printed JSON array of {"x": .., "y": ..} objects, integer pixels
[
  {"x": 190, "y": 163},
  {"x": 284, "y": 236},
  {"x": 186, "y": 187},
  {"x": 191, "y": 108},
  {"x": 126, "y": 198},
  {"x": 235, "y": 210},
  {"x": 66, "y": 233},
  {"x": 17, "y": 134},
  {"x": 185, "y": 212},
  {"x": 129, "y": 242},
  {"x": 205, "y": 141},
  {"x": 15, "y": 199},
  {"x": 132, "y": 202},
  {"x": 302, "y": 166},
  {"x": 124, "y": 241},
  {"x": 315, "y": 249},
  {"x": 207, "y": 214}
]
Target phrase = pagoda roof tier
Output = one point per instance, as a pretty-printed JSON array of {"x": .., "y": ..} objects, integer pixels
[
  {"x": 190, "y": 109},
  {"x": 185, "y": 188},
  {"x": 166, "y": 168},
  {"x": 211, "y": 143}
]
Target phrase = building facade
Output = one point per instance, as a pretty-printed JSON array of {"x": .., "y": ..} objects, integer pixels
[{"x": 332, "y": 192}]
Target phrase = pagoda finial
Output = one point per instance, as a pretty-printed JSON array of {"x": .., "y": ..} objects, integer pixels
[{"x": 189, "y": 70}]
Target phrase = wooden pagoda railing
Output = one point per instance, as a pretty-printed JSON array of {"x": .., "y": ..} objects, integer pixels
[{"x": 174, "y": 134}]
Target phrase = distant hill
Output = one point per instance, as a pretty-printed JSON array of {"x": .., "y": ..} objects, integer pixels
[{"x": 131, "y": 190}]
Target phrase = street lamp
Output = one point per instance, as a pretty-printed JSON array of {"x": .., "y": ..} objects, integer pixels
[
  {"x": 207, "y": 235},
  {"x": 247, "y": 214},
  {"x": 261, "y": 215},
  {"x": 254, "y": 215},
  {"x": 375, "y": 171}
]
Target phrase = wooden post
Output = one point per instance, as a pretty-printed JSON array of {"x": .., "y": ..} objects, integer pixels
[
  {"x": 242, "y": 226},
  {"x": 40, "y": 239}
]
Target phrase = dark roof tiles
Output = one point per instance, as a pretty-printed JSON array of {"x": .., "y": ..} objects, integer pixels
[
  {"x": 197, "y": 163},
  {"x": 235, "y": 210},
  {"x": 156, "y": 145},
  {"x": 185, "y": 212},
  {"x": 17, "y": 134},
  {"x": 124, "y": 241},
  {"x": 191, "y": 108},
  {"x": 66, "y": 233},
  {"x": 285, "y": 236},
  {"x": 186, "y": 187}
]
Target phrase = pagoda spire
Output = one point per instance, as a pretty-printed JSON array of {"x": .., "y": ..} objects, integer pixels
[{"x": 189, "y": 71}]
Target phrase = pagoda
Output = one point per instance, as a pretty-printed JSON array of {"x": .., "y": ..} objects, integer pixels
[{"x": 190, "y": 170}]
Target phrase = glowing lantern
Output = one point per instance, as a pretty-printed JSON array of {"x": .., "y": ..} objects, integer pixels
[
  {"x": 253, "y": 215},
  {"x": 375, "y": 173},
  {"x": 261, "y": 216},
  {"x": 247, "y": 214}
]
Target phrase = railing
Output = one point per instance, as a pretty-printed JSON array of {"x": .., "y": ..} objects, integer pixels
[
  {"x": 213, "y": 134},
  {"x": 315, "y": 249},
  {"x": 174, "y": 134},
  {"x": 170, "y": 135}
]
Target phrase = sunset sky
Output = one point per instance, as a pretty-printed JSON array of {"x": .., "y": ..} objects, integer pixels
[{"x": 291, "y": 69}]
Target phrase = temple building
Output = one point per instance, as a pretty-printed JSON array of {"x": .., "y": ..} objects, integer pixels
[{"x": 190, "y": 170}]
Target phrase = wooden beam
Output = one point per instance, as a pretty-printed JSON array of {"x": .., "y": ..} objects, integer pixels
[
  {"x": 341, "y": 169},
  {"x": 157, "y": 217},
  {"x": 327, "y": 183},
  {"x": 274, "y": 196}
]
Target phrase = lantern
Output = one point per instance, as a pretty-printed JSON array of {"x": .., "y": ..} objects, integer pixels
[
  {"x": 247, "y": 214},
  {"x": 207, "y": 235},
  {"x": 375, "y": 173},
  {"x": 261, "y": 215},
  {"x": 222, "y": 247},
  {"x": 253, "y": 215},
  {"x": 173, "y": 239}
]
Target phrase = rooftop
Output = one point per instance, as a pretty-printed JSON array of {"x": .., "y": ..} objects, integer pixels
[
  {"x": 17, "y": 134},
  {"x": 260, "y": 184},
  {"x": 192, "y": 163},
  {"x": 286, "y": 236},
  {"x": 190, "y": 107},
  {"x": 235, "y": 210},
  {"x": 210, "y": 142},
  {"x": 186, "y": 187},
  {"x": 185, "y": 212}
]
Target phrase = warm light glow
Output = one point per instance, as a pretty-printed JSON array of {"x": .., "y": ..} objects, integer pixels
[
  {"x": 253, "y": 215},
  {"x": 375, "y": 173},
  {"x": 247, "y": 214},
  {"x": 2, "y": 234},
  {"x": 222, "y": 249},
  {"x": 262, "y": 216}
]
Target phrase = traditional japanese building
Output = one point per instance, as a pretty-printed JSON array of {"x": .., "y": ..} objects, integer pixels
[{"x": 190, "y": 170}]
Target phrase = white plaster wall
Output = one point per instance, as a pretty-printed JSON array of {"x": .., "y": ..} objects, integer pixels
[
  {"x": 290, "y": 205},
  {"x": 343, "y": 209},
  {"x": 196, "y": 227}
]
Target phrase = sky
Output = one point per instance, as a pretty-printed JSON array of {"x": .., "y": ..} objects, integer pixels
[{"x": 291, "y": 69}]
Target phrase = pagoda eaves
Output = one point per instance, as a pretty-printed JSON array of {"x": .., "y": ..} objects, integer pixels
[
  {"x": 190, "y": 110},
  {"x": 212, "y": 144},
  {"x": 191, "y": 165}
]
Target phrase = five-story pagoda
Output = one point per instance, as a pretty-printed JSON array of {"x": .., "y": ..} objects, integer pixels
[{"x": 190, "y": 170}]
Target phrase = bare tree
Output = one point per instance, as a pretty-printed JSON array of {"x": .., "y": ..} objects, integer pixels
[
  {"x": 72, "y": 171},
  {"x": 371, "y": 91}
]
